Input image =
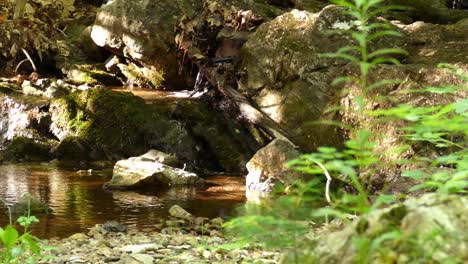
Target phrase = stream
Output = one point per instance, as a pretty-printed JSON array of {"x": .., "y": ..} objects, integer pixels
[{"x": 79, "y": 202}]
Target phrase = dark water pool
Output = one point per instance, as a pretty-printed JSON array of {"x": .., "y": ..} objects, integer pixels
[{"x": 79, "y": 202}]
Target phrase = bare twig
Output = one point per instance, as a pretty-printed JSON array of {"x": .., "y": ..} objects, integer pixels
[
  {"x": 329, "y": 179},
  {"x": 19, "y": 64},
  {"x": 30, "y": 60}
]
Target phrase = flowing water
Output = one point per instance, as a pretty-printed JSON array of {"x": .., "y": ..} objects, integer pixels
[{"x": 79, "y": 202}]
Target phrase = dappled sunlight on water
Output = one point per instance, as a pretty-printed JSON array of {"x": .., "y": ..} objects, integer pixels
[{"x": 79, "y": 202}]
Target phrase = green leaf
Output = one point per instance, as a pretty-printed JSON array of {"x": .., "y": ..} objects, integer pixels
[
  {"x": 31, "y": 242},
  {"x": 9, "y": 236},
  {"x": 387, "y": 51},
  {"x": 343, "y": 79},
  {"x": 461, "y": 107},
  {"x": 384, "y": 33},
  {"x": 16, "y": 252},
  {"x": 340, "y": 56},
  {"x": 383, "y": 60},
  {"x": 415, "y": 174}
]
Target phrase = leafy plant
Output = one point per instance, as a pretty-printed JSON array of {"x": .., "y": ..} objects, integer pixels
[
  {"x": 16, "y": 247},
  {"x": 443, "y": 126}
]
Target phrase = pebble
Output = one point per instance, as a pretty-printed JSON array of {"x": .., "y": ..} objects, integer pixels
[{"x": 182, "y": 246}]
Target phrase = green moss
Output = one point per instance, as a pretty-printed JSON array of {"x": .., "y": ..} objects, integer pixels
[
  {"x": 116, "y": 122},
  {"x": 143, "y": 76},
  {"x": 73, "y": 149},
  {"x": 91, "y": 75},
  {"x": 26, "y": 149}
]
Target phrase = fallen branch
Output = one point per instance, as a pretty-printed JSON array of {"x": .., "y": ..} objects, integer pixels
[{"x": 28, "y": 59}]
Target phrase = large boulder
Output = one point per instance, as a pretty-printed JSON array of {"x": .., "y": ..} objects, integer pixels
[
  {"x": 22, "y": 116},
  {"x": 148, "y": 31},
  {"x": 223, "y": 144},
  {"x": 23, "y": 149},
  {"x": 285, "y": 74},
  {"x": 431, "y": 226},
  {"x": 267, "y": 167},
  {"x": 116, "y": 124},
  {"x": 139, "y": 171}
]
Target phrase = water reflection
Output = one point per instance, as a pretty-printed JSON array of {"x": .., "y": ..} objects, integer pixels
[{"x": 79, "y": 202}]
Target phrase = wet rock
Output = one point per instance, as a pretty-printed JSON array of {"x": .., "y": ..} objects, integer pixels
[
  {"x": 74, "y": 149},
  {"x": 22, "y": 149},
  {"x": 267, "y": 167},
  {"x": 134, "y": 172},
  {"x": 114, "y": 226},
  {"x": 179, "y": 212}
]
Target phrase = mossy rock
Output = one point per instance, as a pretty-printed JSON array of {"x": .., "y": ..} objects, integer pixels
[
  {"x": 91, "y": 75},
  {"x": 142, "y": 76},
  {"x": 118, "y": 124},
  {"x": 26, "y": 149},
  {"x": 75, "y": 149},
  {"x": 111, "y": 120}
]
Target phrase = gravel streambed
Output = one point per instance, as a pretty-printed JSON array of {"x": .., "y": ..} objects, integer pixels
[{"x": 181, "y": 239}]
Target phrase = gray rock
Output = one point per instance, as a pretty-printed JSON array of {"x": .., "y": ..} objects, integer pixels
[
  {"x": 134, "y": 172},
  {"x": 179, "y": 212},
  {"x": 267, "y": 166},
  {"x": 418, "y": 218},
  {"x": 140, "y": 248},
  {"x": 161, "y": 157},
  {"x": 22, "y": 116},
  {"x": 114, "y": 226}
]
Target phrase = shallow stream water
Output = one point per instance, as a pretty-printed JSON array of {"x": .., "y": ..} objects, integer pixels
[{"x": 79, "y": 202}]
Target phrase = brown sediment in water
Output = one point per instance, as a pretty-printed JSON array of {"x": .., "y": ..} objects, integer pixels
[{"x": 79, "y": 202}]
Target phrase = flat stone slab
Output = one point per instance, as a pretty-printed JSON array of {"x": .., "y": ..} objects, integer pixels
[{"x": 135, "y": 172}]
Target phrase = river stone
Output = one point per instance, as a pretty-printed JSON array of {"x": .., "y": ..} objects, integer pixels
[
  {"x": 161, "y": 157},
  {"x": 78, "y": 236},
  {"x": 134, "y": 172},
  {"x": 179, "y": 212},
  {"x": 114, "y": 226},
  {"x": 140, "y": 248},
  {"x": 267, "y": 166}
]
